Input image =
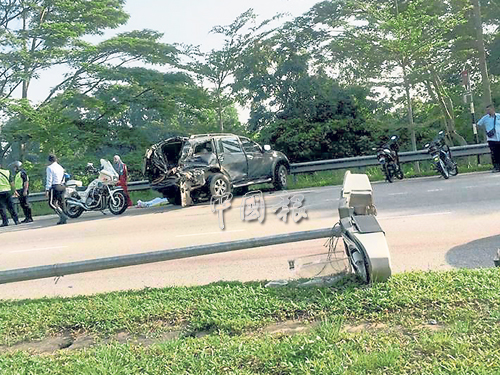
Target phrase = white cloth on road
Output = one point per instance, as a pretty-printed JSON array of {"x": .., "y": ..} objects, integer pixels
[{"x": 151, "y": 203}]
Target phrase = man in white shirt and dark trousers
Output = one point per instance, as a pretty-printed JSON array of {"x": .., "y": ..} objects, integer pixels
[
  {"x": 491, "y": 124},
  {"x": 54, "y": 188}
]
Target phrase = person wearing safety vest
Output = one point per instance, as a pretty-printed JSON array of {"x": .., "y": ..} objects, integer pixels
[
  {"x": 6, "y": 198},
  {"x": 21, "y": 186}
]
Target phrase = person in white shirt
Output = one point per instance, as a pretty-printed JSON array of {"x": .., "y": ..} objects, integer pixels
[
  {"x": 54, "y": 188},
  {"x": 491, "y": 124}
]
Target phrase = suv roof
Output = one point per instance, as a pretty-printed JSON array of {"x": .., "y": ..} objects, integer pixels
[{"x": 213, "y": 135}]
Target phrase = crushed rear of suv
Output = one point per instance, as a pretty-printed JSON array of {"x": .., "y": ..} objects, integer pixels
[{"x": 189, "y": 170}]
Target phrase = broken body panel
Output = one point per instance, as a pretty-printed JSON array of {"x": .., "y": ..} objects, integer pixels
[{"x": 181, "y": 168}]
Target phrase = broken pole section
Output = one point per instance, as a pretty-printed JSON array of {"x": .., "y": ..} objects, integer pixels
[{"x": 56, "y": 270}]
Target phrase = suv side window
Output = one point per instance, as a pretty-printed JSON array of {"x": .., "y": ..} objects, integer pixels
[
  {"x": 231, "y": 145},
  {"x": 203, "y": 148},
  {"x": 250, "y": 146}
]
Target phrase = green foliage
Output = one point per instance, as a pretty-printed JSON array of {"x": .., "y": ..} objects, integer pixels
[
  {"x": 317, "y": 120},
  {"x": 304, "y": 141}
]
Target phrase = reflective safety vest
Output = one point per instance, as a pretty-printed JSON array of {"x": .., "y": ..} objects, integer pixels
[
  {"x": 18, "y": 181},
  {"x": 4, "y": 180}
]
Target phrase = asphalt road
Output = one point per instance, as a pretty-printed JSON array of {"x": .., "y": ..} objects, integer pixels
[{"x": 430, "y": 223}]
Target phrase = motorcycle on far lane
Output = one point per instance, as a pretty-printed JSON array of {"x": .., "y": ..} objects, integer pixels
[
  {"x": 441, "y": 156},
  {"x": 388, "y": 158}
]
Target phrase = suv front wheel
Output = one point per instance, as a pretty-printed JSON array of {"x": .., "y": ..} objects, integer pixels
[
  {"x": 219, "y": 185},
  {"x": 280, "y": 177}
]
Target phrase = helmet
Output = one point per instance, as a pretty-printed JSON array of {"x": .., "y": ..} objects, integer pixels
[{"x": 17, "y": 164}]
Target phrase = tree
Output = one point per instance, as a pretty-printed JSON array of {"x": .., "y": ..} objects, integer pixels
[
  {"x": 219, "y": 66},
  {"x": 381, "y": 40},
  {"x": 39, "y": 34},
  {"x": 54, "y": 32},
  {"x": 481, "y": 53}
]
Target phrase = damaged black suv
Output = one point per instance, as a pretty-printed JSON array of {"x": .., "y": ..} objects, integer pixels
[{"x": 189, "y": 170}]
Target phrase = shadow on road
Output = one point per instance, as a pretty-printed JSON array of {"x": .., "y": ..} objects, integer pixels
[
  {"x": 476, "y": 254},
  {"x": 51, "y": 220}
]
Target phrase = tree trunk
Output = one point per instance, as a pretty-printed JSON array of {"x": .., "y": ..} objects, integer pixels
[
  {"x": 446, "y": 105},
  {"x": 481, "y": 53},
  {"x": 221, "y": 123},
  {"x": 410, "y": 114},
  {"x": 3, "y": 151}
]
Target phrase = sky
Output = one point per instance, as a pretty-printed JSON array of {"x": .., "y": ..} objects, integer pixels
[{"x": 185, "y": 21}]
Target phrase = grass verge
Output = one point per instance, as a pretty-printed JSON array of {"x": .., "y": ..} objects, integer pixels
[
  {"x": 464, "y": 337},
  {"x": 327, "y": 178}
]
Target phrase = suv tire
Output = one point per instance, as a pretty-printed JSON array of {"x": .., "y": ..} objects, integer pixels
[
  {"x": 219, "y": 185},
  {"x": 280, "y": 177}
]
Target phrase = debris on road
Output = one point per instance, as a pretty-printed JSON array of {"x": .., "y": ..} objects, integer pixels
[{"x": 276, "y": 283}]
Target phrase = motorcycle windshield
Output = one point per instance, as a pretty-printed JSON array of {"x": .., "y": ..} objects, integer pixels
[{"x": 108, "y": 167}]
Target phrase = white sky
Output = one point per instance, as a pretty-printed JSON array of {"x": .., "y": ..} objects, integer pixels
[{"x": 184, "y": 21}]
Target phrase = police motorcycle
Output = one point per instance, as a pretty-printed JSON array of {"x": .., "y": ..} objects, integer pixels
[
  {"x": 101, "y": 193},
  {"x": 441, "y": 156},
  {"x": 387, "y": 156}
]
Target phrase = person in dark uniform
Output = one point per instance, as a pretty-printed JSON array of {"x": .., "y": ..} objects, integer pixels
[
  {"x": 21, "y": 186},
  {"x": 6, "y": 198}
]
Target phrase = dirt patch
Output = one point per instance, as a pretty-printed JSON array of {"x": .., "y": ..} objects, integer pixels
[
  {"x": 47, "y": 345},
  {"x": 69, "y": 342},
  {"x": 367, "y": 326},
  {"x": 432, "y": 327},
  {"x": 290, "y": 327},
  {"x": 364, "y": 327}
]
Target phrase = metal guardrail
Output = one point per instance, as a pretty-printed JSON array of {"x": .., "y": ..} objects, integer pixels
[
  {"x": 134, "y": 185},
  {"x": 366, "y": 161},
  {"x": 332, "y": 164},
  {"x": 56, "y": 270}
]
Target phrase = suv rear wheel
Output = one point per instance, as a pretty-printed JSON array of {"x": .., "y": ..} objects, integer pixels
[{"x": 219, "y": 185}]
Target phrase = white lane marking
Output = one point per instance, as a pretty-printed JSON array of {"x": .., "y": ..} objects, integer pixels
[
  {"x": 41, "y": 248},
  {"x": 416, "y": 215},
  {"x": 398, "y": 194},
  {"x": 480, "y": 186},
  {"x": 280, "y": 193},
  {"x": 209, "y": 233},
  {"x": 306, "y": 206},
  {"x": 434, "y": 190}
]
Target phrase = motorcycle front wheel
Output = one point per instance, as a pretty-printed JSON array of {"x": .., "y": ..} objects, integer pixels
[
  {"x": 453, "y": 170},
  {"x": 399, "y": 173},
  {"x": 443, "y": 170},
  {"x": 120, "y": 204},
  {"x": 387, "y": 172}
]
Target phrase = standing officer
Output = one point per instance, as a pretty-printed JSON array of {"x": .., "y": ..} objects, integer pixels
[
  {"x": 21, "y": 186},
  {"x": 6, "y": 198},
  {"x": 491, "y": 124},
  {"x": 54, "y": 188}
]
